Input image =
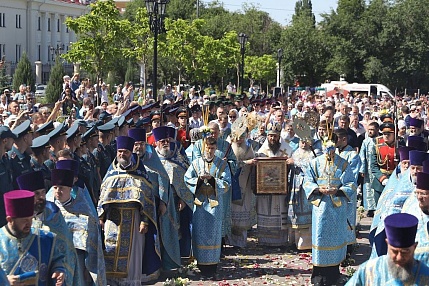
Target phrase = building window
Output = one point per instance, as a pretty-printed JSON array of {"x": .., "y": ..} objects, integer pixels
[
  {"x": 2, "y": 20},
  {"x": 18, "y": 21},
  {"x": 67, "y": 29},
  {"x": 39, "y": 50},
  {"x": 2, "y": 50},
  {"x": 38, "y": 23},
  {"x": 58, "y": 25},
  {"x": 17, "y": 53},
  {"x": 49, "y": 24}
]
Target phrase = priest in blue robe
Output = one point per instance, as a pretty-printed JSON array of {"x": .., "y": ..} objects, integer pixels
[
  {"x": 398, "y": 267},
  {"x": 329, "y": 186},
  {"x": 208, "y": 178},
  {"x": 394, "y": 204},
  {"x": 417, "y": 204},
  {"x": 28, "y": 255},
  {"x": 48, "y": 217},
  {"x": 175, "y": 164},
  {"x": 167, "y": 215},
  {"x": 127, "y": 212},
  {"x": 83, "y": 224}
]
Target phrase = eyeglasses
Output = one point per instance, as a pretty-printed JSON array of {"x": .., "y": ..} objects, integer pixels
[
  {"x": 46, "y": 113},
  {"x": 232, "y": 116}
]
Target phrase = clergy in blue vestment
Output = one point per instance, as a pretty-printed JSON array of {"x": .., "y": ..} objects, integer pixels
[
  {"x": 329, "y": 186},
  {"x": 127, "y": 211},
  {"x": 175, "y": 164},
  {"x": 349, "y": 154},
  {"x": 168, "y": 218},
  {"x": 3, "y": 278},
  {"x": 28, "y": 255},
  {"x": 394, "y": 202},
  {"x": 385, "y": 198},
  {"x": 83, "y": 224},
  {"x": 48, "y": 217},
  {"x": 299, "y": 207},
  {"x": 208, "y": 178},
  {"x": 365, "y": 154},
  {"x": 224, "y": 152},
  {"x": 398, "y": 267},
  {"x": 417, "y": 204}
]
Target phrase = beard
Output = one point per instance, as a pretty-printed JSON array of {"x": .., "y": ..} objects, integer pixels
[
  {"x": 164, "y": 151},
  {"x": 20, "y": 233},
  {"x": 123, "y": 162},
  {"x": 39, "y": 206},
  {"x": 240, "y": 150},
  {"x": 274, "y": 147},
  {"x": 404, "y": 274}
]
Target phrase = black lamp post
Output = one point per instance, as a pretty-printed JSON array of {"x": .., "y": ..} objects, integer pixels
[
  {"x": 279, "y": 60},
  {"x": 242, "y": 38},
  {"x": 156, "y": 10},
  {"x": 56, "y": 51}
]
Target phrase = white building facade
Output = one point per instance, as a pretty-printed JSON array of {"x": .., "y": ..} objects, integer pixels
[{"x": 36, "y": 27}]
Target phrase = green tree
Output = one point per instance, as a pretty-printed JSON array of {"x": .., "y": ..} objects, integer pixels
[
  {"x": 55, "y": 83},
  {"x": 101, "y": 35},
  {"x": 129, "y": 76},
  {"x": 260, "y": 69},
  {"x": 23, "y": 73},
  {"x": 4, "y": 79}
]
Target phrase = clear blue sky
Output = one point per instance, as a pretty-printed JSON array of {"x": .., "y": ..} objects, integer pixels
[{"x": 281, "y": 10}]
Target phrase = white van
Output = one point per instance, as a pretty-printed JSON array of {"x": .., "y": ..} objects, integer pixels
[{"x": 371, "y": 89}]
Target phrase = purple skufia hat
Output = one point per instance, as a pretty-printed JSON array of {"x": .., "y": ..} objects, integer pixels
[
  {"x": 125, "y": 142},
  {"x": 417, "y": 142},
  {"x": 19, "y": 203},
  {"x": 423, "y": 179},
  {"x": 71, "y": 165},
  {"x": 138, "y": 134},
  {"x": 32, "y": 181},
  {"x": 62, "y": 177},
  {"x": 426, "y": 166},
  {"x": 401, "y": 229},
  {"x": 417, "y": 157},
  {"x": 404, "y": 152},
  {"x": 163, "y": 132},
  {"x": 416, "y": 122}
]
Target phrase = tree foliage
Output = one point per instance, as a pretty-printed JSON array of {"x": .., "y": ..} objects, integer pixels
[
  {"x": 23, "y": 73},
  {"x": 55, "y": 83}
]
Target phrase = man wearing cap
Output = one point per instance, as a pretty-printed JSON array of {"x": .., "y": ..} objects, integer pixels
[
  {"x": 19, "y": 155},
  {"x": 382, "y": 162},
  {"x": 91, "y": 139},
  {"x": 126, "y": 216},
  {"x": 208, "y": 177},
  {"x": 418, "y": 205},
  {"x": 329, "y": 186},
  {"x": 398, "y": 267},
  {"x": 101, "y": 153},
  {"x": 57, "y": 140},
  {"x": 195, "y": 120},
  {"x": 40, "y": 148},
  {"x": 155, "y": 119},
  {"x": 168, "y": 216},
  {"x": 395, "y": 199},
  {"x": 417, "y": 129},
  {"x": 182, "y": 127},
  {"x": 272, "y": 209},
  {"x": 28, "y": 256},
  {"x": 6, "y": 177},
  {"x": 83, "y": 223},
  {"x": 47, "y": 216},
  {"x": 175, "y": 164},
  {"x": 365, "y": 154}
]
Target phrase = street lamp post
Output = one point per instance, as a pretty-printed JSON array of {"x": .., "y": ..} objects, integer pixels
[
  {"x": 279, "y": 70},
  {"x": 242, "y": 38},
  {"x": 156, "y": 10},
  {"x": 56, "y": 51}
]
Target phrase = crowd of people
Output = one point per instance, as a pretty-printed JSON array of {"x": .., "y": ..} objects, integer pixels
[{"x": 115, "y": 190}]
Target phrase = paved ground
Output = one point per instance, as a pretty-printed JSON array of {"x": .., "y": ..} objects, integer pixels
[{"x": 257, "y": 265}]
